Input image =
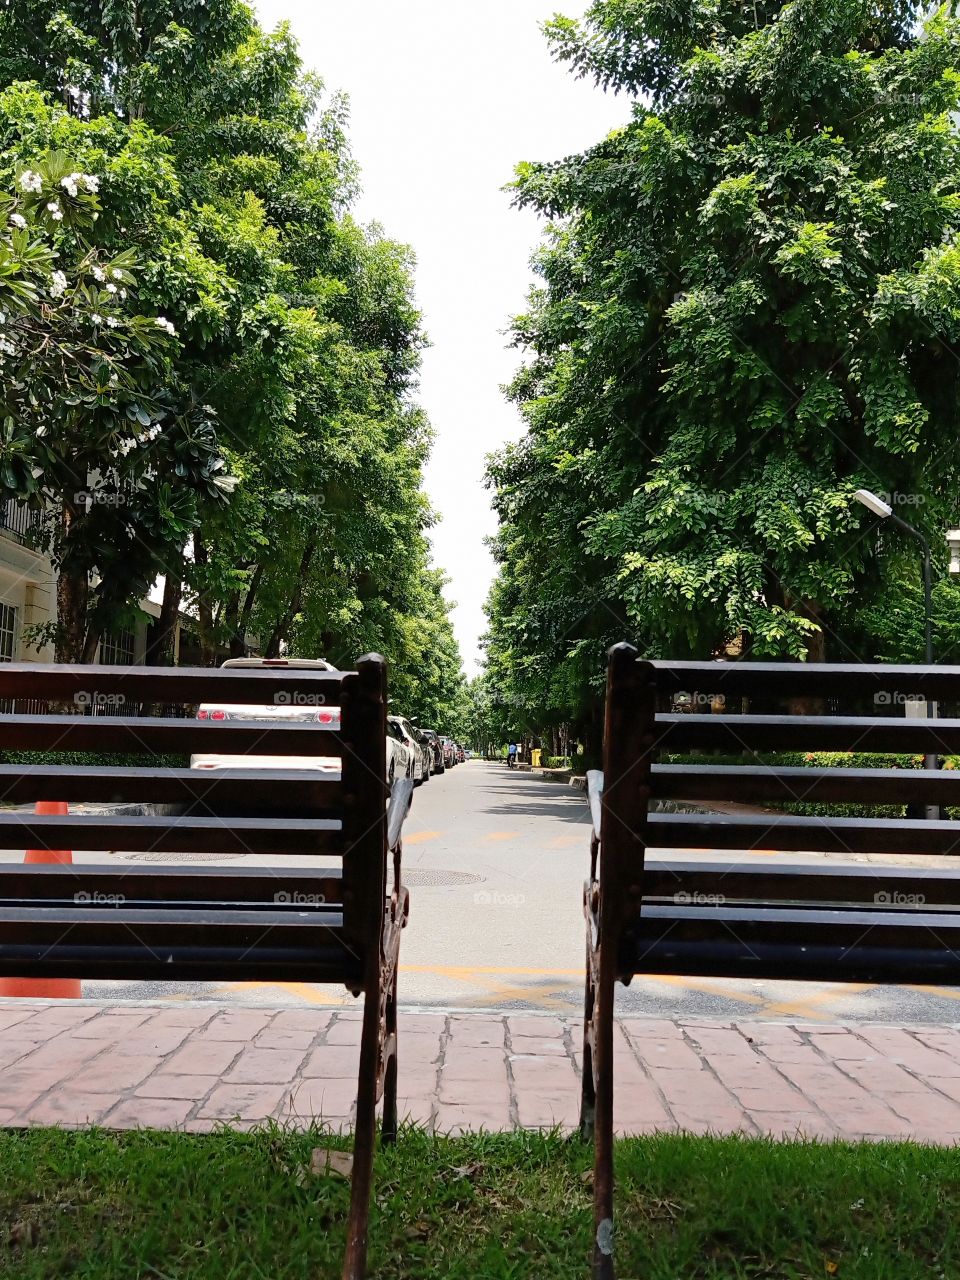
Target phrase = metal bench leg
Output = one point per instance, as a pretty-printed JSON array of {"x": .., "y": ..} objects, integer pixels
[
  {"x": 603, "y": 1268},
  {"x": 364, "y": 1141},
  {"x": 588, "y": 1086},
  {"x": 389, "y": 1127}
]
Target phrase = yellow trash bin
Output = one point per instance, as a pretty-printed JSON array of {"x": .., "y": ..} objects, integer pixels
[{"x": 535, "y": 757}]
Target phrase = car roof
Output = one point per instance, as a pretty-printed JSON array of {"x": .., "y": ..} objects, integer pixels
[{"x": 319, "y": 664}]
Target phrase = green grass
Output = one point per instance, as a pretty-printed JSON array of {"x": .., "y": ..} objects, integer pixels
[{"x": 230, "y": 1206}]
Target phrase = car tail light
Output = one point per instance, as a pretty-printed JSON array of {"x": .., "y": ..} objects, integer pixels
[
  {"x": 331, "y": 718},
  {"x": 218, "y": 715},
  {"x": 203, "y": 713}
]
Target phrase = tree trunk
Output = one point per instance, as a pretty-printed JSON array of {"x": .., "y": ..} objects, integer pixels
[
  {"x": 208, "y": 648},
  {"x": 73, "y": 595},
  {"x": 284, "y": 623},
  {"x": 162, "y": 635},
  {"x": 816, "y": 652}
]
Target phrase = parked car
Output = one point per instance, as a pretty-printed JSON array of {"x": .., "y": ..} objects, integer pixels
[
  {"x": 449, "y": 752},
  {"x": 400, "y": 759},
  {"x": 420, "y": 754},
  {"x": 433, "y": 741},
  {"x": 292, "y": 711},
  {"x": 461, "y": 754}
]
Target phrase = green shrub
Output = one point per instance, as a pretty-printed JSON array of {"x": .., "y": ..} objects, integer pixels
[
  {"x": 102, "y": 760},
  {"x": 557, "y": 762}
]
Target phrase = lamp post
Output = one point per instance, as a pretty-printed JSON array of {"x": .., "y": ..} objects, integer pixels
[{"x": 883, "y": 509}]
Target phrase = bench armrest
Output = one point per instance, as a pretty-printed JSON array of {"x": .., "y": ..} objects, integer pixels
[{"x": 594, "y": 795}]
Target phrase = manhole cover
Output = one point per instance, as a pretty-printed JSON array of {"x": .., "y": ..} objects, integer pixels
[{"x": 438, "y": 877}]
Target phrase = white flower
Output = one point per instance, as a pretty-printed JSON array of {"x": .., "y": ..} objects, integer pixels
[
  {"x": 7, "y": 347},
  {"x": 58, "y": 284},
  {"x": 117, "y": 275},
  {"x": 91, "y": 182},
  {"x": 70, "y": 184},
  {"x": 163, "y": 323},
  {"x": 227, "y": 483},
  {"x": 96, "y": 319},
  {"x": 41, "y": 430},
  {"x": 123, "y": 293},
  {"x": 30, "y": 181},
  {"x": 55, "y": 211},
  {"x": 112, "y": 322},
  {"x": 111, "y": 288},
  {"x": 114, "y": 379},
  {"x": 18, "y": 219},
  {"x": 98, "y": 274}
]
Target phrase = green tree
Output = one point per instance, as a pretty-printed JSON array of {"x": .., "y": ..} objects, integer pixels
[{"x": 749, "y": 307}]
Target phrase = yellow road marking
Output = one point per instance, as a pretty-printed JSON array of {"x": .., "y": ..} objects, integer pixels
[
  {"x": 501, "y": 835},
  {"x": 804, "y": 1008},
  {"x": 454, "y": 970},
  {"x": 418, "y": 837},
  {"x": 564, "y": 842}
]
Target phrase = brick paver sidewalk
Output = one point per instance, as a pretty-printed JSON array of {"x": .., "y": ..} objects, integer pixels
[{"x": 197, "y": 1065}]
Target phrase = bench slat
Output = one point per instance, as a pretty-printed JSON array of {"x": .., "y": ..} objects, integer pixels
[
  {"x": 818, "y": 680},
  {"x": 809, "y": 786},
  {"x": 156, "y": 735},
  {"x": 826, "y": 946},
  {"x": 852, "y": 884},
  {"x": 80, "y": 684},
  {"x": 197, "y": 887},
  {"x": 227, "y": 790},
  {"x": 171, "y": 835},
  {"x": 795, "y": 835},
  {"x": 806, "y": 733}
]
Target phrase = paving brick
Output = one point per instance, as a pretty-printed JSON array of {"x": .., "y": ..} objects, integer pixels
[
  {"x": 318, "y": 1099},
  {"x": 272, "y": 1038},
  {"x": 241, "y": 1024},
  {"x": 782, "y": 1099},
  {"x": 114, "y": 1074},
  {"x": 848, "y": 1046},
  {"x": 746, "y": 1073},
  {"x": 343, "y": 1031},
  {"x": 417, "y": 1111},
  {"x": 301, "y": 1020},
  {"x": 542, "y": 1047},
  {"x": 162, "y": 1085},
  {"x": 67, "y": 1054},
  {"x": 150, "y": 1039},
  {"x": 149, "y": 1113},
  {"x": 10, "y": 1016},
  {"x": 672, "y": 1055},
  {"x": 333, "y": 1061},
  {"x": 248, "y": 1101},
  {"x": 266, "y": 1066},
  {"x": 205, "y": 1057},
  {"x": 456, "y": 1118},
  {"x": 727, "y": 1042},
  {"x": 70, "y": 1106},
  {"x": 478, "y": 1064},
  {"x": 20, "y": 1088},
  {"x": 649, "y": 1028},
  {"x": 185, "y": 1016},
  {"x": 109, "y": 1025},
  {"x": 482, "y": 1033}
]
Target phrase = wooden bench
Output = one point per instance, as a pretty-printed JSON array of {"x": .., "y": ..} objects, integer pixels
[
  {"x": 122, "y": 920},
  {"x": 720, "y": 909}
]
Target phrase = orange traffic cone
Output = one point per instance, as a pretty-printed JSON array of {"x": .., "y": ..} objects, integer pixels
[{"x": 45, "y": 988}]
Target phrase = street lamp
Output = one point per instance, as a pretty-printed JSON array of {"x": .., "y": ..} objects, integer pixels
[{"x": 886, "y": 512}]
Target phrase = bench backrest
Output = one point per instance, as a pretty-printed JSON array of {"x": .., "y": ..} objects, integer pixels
[
  {"x": 645, "y": 802},
  {"x": 105, "y": 710}
]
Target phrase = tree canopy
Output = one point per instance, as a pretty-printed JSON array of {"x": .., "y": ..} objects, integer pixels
[
  {"x": 748, "y": 307},
  {"x": 289, "y": 356}
]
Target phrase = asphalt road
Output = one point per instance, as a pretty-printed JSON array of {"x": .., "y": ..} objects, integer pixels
[{"x": 495, "y": 861}]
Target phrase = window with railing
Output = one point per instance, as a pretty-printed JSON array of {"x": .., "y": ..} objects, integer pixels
[
  {"x": 117, "y": 650},
  {"x": 16, "y": 518},
  {"x": 8, "y": 633}
]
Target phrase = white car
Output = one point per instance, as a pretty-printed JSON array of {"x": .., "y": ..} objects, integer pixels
[
  {"x": 420, "y": 753},
  {"x": 292, "y": 712}
]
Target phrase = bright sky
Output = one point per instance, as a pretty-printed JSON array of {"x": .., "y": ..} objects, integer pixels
[{"x": 446, "y": 97}]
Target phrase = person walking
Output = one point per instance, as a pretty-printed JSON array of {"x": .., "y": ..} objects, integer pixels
[{"x": 511, "y": 755}]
